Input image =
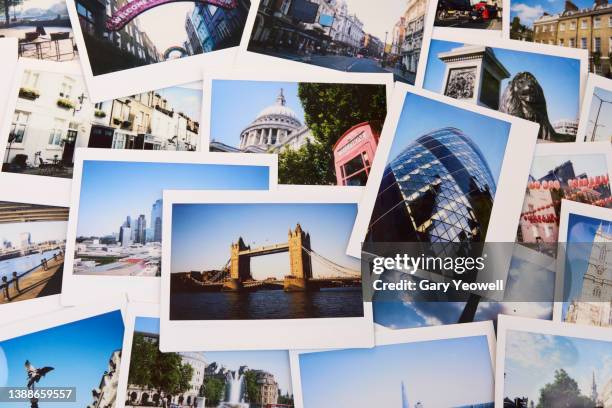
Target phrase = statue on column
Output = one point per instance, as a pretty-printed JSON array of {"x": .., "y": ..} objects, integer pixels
[{"x": 34, "y": 376}]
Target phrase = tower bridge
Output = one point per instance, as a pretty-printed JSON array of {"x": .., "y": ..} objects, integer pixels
[{"x": 236, "y": 273}]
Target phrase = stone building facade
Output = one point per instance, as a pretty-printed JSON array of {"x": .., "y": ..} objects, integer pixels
[{"x": 589, "y": 29}]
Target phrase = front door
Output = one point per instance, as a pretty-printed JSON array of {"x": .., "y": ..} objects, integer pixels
[{"x": 68, "y": 154}]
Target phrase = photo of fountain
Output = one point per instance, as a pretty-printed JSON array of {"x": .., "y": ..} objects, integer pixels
[{"x": 234, "y": 391}]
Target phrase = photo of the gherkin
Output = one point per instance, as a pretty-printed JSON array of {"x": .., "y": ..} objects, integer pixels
[{"x": 439, "y": 188}]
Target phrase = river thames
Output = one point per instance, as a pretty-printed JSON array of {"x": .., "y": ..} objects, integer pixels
[{"x": 266, "y": 304}]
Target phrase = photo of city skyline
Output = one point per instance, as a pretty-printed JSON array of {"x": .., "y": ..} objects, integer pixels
[
  {"x": 555, "y": 370},
  {"x": 418, "y": 374},
  {"x": 32, "y": 252},
  {"x": 152, "y": 32},
  {"x": 251, "y": 378},
  {"x": 582, "y": 178},
  {"x": 124, "y": 239},
  {"x": 323, "y": 133},
  {"x": 550, "y": 84},
  {"x": 345, "y": 35},
  {"x": 305, "y": 272},
  {"x": 599, "y": 116},
  {"x": 432, "y": 139},
  {"x": 80, "y": 354},
  {"x": 42, "y": 28},
  {"x": 587, "y": 298}
]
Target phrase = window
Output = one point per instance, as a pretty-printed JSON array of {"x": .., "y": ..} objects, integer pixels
[
  {"x": 562, "y": 27},
  {"x": 212, "y": 9},
  {"x": 584, "y": 24},
  {"x": 19, "y": 124},
  {"x": 572, "y": 42},
  {"x": 552, "y": 28},
  {"x": 573, "y": 25},
  {"x": 610, "y": 21},
  {"x": 597, "y": 44},
  {"x": 55, "y": 136},
  {"x": 86, "y": 19},
  {"x": 610, "y": 45},
  {"x": 66, "y": 88},
  {"x": 597, "y": 22},
  {"x": 561, "y": 42},
  {"x": 30, "y": 79},
  {"x": 583, "y": 43},
  {"x": 118, "y": 141},
  {"x": 551, "y": 42}
]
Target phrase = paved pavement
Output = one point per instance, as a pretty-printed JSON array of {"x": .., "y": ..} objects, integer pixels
[{"x": 37, "y": 283}]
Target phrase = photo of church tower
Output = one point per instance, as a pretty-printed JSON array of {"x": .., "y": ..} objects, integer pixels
[{"x": 593, "y": 306}]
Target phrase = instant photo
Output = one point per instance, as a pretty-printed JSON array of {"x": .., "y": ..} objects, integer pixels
[
  {"x": 543, "y": 87},
  {"x": 407, "y": 368},
  {"x": 274, "y": 267},
  {"x": 245, "y": 379},
  {"x": 68, "y": 357},
  {"x": 115, "y": 233},
  {"x": 324, "y": 133},
  {"x": 347, "y": 36},
  {"x": 552, "y": 364},
  {"x": 596, "y": 123}
]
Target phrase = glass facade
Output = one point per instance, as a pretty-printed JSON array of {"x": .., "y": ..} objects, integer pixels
[{"x": 438, "y": 189}]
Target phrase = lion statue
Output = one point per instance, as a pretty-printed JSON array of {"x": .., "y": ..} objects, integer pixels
[{"x": 524, "y": 98}]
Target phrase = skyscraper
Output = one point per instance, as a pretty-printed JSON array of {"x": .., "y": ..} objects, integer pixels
[
  {"x": 438, "y": 189},
  {"x": 141, "y": 230},
  {"x": 156, "y": 220}
]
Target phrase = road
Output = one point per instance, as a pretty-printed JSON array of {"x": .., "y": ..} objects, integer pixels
[{"x": 353, "y": 64}]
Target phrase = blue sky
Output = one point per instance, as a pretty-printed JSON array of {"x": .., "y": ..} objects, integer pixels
[
  {"x": 529, "y": 284},
  {"x": 421, "y": 115},
  {"x": 39, "y": 231},
  {"x": 202, "y": 234},
  {"x": 79, "y": 353},
  {"x": 591, "y": 164},
  {"x": 532, "y": 358},
  {"x": 439, "y": 373},
  {"x": 186, "y": 99},
  {"x": 110, "y": 191},
  {"x": 558, "y": 76},
  {"x": 235, "y": 104},
  {"x": 580, "y": 234},
  {"x": 275, "y": 362},
  {"x": 604, "y": 120},
  {"x": 530, "y": 10}
]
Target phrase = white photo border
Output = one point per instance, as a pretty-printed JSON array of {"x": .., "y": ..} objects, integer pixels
[
  {"x": 273, "y": 334},
  {"x": 453, "y": 331},
  {"x": 536, "y": 326},
  {"x": 593, "y": 81},
  {"x": 76, "y": 289}
]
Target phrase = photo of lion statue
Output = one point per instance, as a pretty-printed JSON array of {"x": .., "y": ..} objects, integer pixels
[{"x": 524, "y": 98}]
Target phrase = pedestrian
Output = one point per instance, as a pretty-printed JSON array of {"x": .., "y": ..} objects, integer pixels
[{"x": 44, "y": 263}]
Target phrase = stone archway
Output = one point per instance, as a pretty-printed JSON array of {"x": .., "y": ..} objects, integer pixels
[{"x": 177, "y": 48}]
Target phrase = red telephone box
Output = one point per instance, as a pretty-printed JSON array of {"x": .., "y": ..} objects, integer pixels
[{"x": 354, "y": 153}]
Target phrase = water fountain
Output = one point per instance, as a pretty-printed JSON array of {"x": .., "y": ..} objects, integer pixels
[{"x": 234, "y": 391}]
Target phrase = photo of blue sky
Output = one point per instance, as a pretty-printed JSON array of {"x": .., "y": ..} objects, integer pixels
[
  {"x": 79, "y": 353},
  {"x": 185, "y": 98},
  {"x": 237, "y": 103},
  {"x": 202, "y": 234},
  {"x": 272, "y": 361},
  {"x": 532, "y": 358},
  {"x": 438, "y": 373},
  {"x": 110, "y": 191},
  {"x": 421, "y": 115},
  {"x": 530, "y": 285},
  {"x": 580, "y": 235},
  {"x": 558, "y": 76},
  {"x": 529, "y": 10},
  {"x": 599, "y": 125}
]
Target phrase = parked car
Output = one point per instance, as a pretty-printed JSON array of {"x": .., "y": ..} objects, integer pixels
[{"x": 453, "y": 8}]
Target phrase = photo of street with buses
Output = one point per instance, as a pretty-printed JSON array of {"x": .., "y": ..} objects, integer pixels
[{"x": 345, "y": 35}]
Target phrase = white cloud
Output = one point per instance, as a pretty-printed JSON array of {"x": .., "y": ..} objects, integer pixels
[{"x": 526, "y": 13}]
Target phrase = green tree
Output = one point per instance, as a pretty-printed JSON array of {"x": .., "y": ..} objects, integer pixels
[
  {"x": 164, "y": 372},
  {"x": 252, "y": 388},
  {"x": 563, "y": 392},
  {"x": 213, "y": 390},
  {"x": 285, "y": 399},
  {"x": 516, "y": 24},
  {"x": 329, "y": 111}
]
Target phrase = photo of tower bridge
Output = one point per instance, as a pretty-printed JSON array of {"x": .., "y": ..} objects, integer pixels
[{"x": 296, "y": 274}]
